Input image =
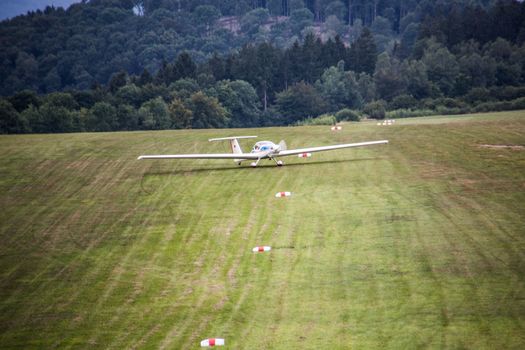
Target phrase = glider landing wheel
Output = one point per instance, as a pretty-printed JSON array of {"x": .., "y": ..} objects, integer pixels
[
  {"x": 253, "y": 164},
  {"x": 280, "y": 163}
]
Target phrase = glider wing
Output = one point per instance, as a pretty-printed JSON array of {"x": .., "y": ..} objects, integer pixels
[
  {"x": 327, "y": 148},
  {"x": 203, "y": 156}
]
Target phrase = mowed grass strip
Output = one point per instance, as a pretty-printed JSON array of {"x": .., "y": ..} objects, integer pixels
[{"x": 415, "y": 244}]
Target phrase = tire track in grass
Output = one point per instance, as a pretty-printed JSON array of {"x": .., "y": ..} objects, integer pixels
[
  {"x": 62, "y": 219},
  {"x": 504, "y": 237},
  {"x": 249, "y": 218},
  {"x": 450, "y": 227},
  {"x": 250, "y": 288},
  {"x": 269, "y": 284},
  {"x": 94, "y": 243},
  {"x": 453, "y": 234},
  {"x": 190, "y": 319},
  {"x": 119, "y": 269},
  {"x": 317, "y": 237},
  {"x": 32, "y": 214},
  {"x": 396, "y": 285},
  {"x": 42, "y": 291},
  {"x": 21, "y": 263},
  {"x": 243, "y": 227},
  {"x": 255, "y": 225},
  {"x": 63, "y": 187},
  {"x": 183, "y": 200},
  {"x": 139, "y": 286},
  {"x": 179, "y": 332},
  {"x": 86, "y": 258},
  {"x": 138, "y": 289},
  {"x": 476, "y": 274},
  {"x": 369, "y": 286},
  {"x": 421, "y": 198},
  {"x": 462, "y": 233},
  {"x": 424, "y": 260},
  {"x": 115, "y": 280},
  {"x": 161, "y": 320},
  {"x": 283, "y": 288},
  {"x": 187, "y": 237},
  {"x": 386, "y": 278}
]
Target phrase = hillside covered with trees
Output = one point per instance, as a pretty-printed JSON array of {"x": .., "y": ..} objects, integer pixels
[{"x": 160, "y": 64}]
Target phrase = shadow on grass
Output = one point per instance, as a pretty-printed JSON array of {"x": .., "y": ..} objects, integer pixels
[
  {"x": 193, "y": 171},
  {"x": 244, "y": 167}
]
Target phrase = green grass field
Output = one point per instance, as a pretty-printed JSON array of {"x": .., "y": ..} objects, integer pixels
[{"x": 415, "y": 244}]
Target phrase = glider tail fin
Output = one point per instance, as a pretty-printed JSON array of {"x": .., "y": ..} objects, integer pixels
[
  {"x": 282, "y": 146},
  {"x": 234, "y": 144},
  {"x": 236, "y": 148}
]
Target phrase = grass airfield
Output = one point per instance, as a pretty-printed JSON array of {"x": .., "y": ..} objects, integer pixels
[{"x": 415, "y": 244}]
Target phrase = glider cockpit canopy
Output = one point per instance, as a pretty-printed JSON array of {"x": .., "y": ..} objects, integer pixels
[{"x": 264, "y": 146}]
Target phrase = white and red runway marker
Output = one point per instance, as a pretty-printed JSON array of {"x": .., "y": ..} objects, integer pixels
[
  {"x": 261, "y": 249},
  {"x": 304, "y": 155},
  {"x": 283, "y": 194},
  {"x": 212, "y": 342}
]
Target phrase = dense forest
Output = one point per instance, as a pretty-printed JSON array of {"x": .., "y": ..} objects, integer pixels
[{"x": 160, "y": 64}]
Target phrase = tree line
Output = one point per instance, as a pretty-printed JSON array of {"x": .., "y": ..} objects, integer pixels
[
  {"x": 57, "y": 49},
  {"x": 263, "y": 83}
]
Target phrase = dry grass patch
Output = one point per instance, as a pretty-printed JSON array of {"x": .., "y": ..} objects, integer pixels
[{"x": 511, "y": 147}]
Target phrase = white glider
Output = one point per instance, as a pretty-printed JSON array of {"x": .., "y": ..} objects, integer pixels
[{"x": 261, "y": 150}]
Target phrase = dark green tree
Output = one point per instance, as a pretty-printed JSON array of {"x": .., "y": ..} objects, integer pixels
[
  {"x": 117, "y": 81},
  {"x": 127, "y": 117},
  {"x": 184, "y": 88},
  {"x": 130, "y": 94},
  {"x": 154, "y": 115},
  {"x": 34, "y": 119},
  {"x": 185, "y": 67},
  {"x": 442, "y": 67},
  {"x": 376, "y": 109},
  {"x": 253, "y": 20},
  {"x": 11, "y": 122},
  {"x": 337, "y": 9},
  {"x": 56, "y": 118},
  {"x": 181, "y": 116},
  {"x": 145, "y": 78},
  {"x": 416, "y": 79},
  {"x": 339, "y": 88},
  {"x": 367, "y": 87},
  {"x": 300, "y": 19},
  {"x": 242, "y": 102},
  {"x": 207, "y": 112},
  {"x": 206, "y": 16},
  {"x": 299, "y": 101},
  {"x": 102, "y": 117},
  {"x": 387, "y": 76},
  {"x": 310, "y": 59},
  {"x": 23, "y": 99},
  {"x": 363, "y": 53},
  {"x": 61, "y": 99},
  {"x": 217, "y": 66}
]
